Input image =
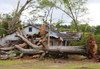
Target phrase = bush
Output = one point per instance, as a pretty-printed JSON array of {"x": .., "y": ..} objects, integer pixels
[
  {"x": 97, "y": 31},
  {"x": 97, "y": 39},
  {"x": 41, "y": 59}
]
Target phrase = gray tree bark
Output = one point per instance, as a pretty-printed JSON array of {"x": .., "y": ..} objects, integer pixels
[
  {"x": 5, "y": 49},
  {"x": 27, "y": 51},
  {"x": 68, "y": 49}
]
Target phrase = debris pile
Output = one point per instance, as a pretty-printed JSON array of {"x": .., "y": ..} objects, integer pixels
[{"x": 26, "y": 46}]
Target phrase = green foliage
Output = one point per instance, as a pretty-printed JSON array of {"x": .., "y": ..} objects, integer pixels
[
  {"x": 46, "y": 3},
  {"x": 84, "y": 41},
  {"x": 97, "y": 39},
  {"x": 41, "y": 58},
  {"x": 59, "y": 23},
  {"x": 72, "y": 8},
  {"x": 72, "y": 26},
  {"x": 83, "y": 26},
  {"x": 62, "y": 29},
  {"x": 4, "y": 24},
  {"x": 97, "y": 31},
  {"x": 11, "y": 55}
]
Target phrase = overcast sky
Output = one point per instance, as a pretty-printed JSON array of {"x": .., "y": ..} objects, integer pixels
[{"x": 93, "y": 6}]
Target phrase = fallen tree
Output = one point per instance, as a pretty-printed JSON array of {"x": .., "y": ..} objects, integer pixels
[
  {"x": 68, "y": 49},
  {"x": 27, "y": 47}
]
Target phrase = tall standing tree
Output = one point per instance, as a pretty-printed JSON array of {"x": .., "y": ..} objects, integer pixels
[
  {"x": 72, "y": 8},
  {"x": 48, "y": 8}
]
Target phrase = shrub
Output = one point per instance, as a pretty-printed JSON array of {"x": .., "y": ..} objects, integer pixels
[{"x": 41, "y": 58}]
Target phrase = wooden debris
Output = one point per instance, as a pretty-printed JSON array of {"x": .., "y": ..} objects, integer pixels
[
  {"x": 36, "y": 56},
  {"x": 28, "y": 42},
  {"x": 23, "y": 45},
  {"x": 7, "y": 48}
]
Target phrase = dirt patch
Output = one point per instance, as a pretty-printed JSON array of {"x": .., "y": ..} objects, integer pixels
[
  {"x": 56, "y": 66},
  {"x": 83, "y": 68}
]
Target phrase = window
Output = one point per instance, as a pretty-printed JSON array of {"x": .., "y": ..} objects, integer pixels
[{"x": 30, "y": 29}]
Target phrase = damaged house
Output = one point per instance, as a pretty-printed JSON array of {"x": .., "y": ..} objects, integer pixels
[
  {"x": 69, "y": 36},
  {"x": 28, "y": 30},
  {"x": 56, "y": 39}
]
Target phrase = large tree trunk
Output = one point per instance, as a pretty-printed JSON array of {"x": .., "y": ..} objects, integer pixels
[
  {"x": 68, "y": 49},
  {"x": 27, "y": 51}
]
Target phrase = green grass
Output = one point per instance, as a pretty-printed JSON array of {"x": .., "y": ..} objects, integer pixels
[
  {"x": 90, "y": 66},
  {"x": 9, "y": 62},
  {"x": 32, "y": 64}
]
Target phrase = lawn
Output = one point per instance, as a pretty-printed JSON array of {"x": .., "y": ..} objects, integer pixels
[{"x": 49, "y": 64}]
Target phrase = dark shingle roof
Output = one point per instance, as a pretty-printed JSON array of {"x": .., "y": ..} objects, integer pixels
[{"x": 70, "y": 35}]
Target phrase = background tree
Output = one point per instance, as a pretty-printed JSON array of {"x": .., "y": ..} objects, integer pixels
[
  {"x": 82, "y": 27},
  {"x": 16, "y": 18},
  {"x": 4, "y": 24},
  {"x": 97, "y": 30},
  {"x": 72, "y": 8},
  {"x": 5, "y": 20}
]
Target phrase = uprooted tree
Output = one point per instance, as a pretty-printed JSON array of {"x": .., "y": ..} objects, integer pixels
[{"x": 41, "y": 48}]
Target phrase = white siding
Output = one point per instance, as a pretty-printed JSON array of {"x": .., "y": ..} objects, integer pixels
[
  {"x": 34, "y": 30},
  {"x": 8, "y": 37}
]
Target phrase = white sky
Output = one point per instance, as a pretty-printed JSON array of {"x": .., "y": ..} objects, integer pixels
[{"x": 93, "y": 6}]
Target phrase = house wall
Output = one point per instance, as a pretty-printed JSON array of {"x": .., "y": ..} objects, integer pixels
[
  {"x": 55, "y": 43},
  {"x": 34, "y": 30},
  {"x": 3, "y": 41},
  {"x": 12, "y": 37}
]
